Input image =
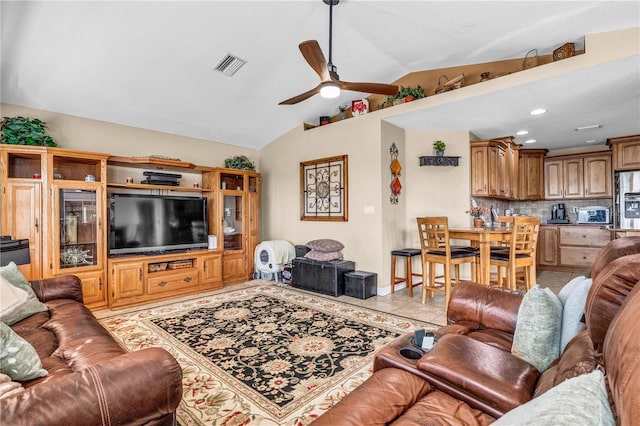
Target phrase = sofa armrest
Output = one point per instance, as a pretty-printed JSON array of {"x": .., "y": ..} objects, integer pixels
[
  {"x": 136, "y": 387},
  {"x": 379, "y": 400},
  {"x": 490, "y": 307},
  {"x": 479, "y": 374},
  {"x": 60, "y": 287}
]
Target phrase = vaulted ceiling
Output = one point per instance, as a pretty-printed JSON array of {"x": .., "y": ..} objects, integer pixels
[{"x": 151, "y": 64}]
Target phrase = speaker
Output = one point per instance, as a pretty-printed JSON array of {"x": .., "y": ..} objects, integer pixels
[{"x": 213, "y": 242}]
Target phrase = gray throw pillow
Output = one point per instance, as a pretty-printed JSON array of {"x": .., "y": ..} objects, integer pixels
[
  {"x": 572, "y": 312},
  {"x": 580, "y": 401},
  {"x": 537, "y": 335},
  {"x": 569, "y": 287},
  {"x": 324, "y": 256},
  {"x": 12, "y": 274},
  {"x": 325, "y": 245},
  {"x": 18, "y": 359}
]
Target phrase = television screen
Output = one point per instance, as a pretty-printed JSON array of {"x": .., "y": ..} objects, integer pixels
[{"x": 156, "y": 223}]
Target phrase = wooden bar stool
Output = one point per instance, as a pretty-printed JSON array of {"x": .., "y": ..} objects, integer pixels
[{"x": 408, "y": 254}]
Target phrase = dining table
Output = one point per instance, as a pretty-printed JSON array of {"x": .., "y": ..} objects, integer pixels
[{"x": 482, "y": 238}]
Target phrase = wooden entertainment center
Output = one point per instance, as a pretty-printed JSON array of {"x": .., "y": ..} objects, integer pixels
[{"x": 58, "y": 200}]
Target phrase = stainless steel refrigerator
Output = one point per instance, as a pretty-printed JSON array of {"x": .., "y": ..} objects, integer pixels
[{"x": 627, "y": 208}]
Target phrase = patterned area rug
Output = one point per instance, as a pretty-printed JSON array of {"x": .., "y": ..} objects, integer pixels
[{"x": 263, "y": 355}]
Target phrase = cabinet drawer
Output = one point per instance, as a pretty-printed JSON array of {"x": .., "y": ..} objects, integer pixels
[
  {"x": 584, "y": 236},
  {"x": 172, "y": 282},
  {"x": 578, "y": 256}
]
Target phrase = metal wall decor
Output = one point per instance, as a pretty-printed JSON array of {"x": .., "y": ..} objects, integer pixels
[
  {"x": 395, "y": 167},
  {"x": 323, "y": 189}
]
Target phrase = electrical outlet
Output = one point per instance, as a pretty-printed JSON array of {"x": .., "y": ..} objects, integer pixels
[{"x": 575, "y": 210}]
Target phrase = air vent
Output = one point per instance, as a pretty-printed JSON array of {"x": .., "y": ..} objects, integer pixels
[{"x": 230, "y": 64}]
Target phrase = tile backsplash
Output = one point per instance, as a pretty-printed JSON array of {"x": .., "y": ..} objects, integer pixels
[{"x": 542, "y": 208}]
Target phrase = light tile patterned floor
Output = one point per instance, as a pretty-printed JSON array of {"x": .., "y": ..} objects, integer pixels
[{"x": 398, "y": 303}]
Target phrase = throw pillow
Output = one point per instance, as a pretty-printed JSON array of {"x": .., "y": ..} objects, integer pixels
[
  {"x": 581, "y": 401},
  {"x": 12, "y": 274},
  {"x": 7, "y": 387},
  {"x": 18, "y": 359},
  {"x": 568, "y": 288},
  {"x": 536, "y": 338},
  {"x": 11, "y": 298},
  {"x": 572, "y": 312},
  {"x": 324, "y": 256},
  {"x": 325, "y": 245}
]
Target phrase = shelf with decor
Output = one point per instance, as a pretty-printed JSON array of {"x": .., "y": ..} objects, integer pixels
[{"x": 158, "y": 187}]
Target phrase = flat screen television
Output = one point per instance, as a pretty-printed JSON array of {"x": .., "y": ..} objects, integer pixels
[{"x": 156, "y": 223}]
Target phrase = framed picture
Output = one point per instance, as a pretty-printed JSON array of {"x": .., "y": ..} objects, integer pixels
[{"x": 323, "y": 189}]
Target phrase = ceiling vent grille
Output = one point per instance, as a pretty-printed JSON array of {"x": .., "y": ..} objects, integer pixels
[{"x": 230, "y": 64}]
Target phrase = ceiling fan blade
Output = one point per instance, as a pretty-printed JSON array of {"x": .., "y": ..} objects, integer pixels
[
  {"x": 311, "y": 51},
  {"x": 377, "y": 88},
  {"x": 301, "y": 97}
]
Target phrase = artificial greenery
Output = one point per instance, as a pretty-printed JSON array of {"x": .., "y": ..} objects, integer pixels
[
  {"x": 25, "y": 131},
  {"x": 439, "y": 146},
  {"x": 416, "y": 92},
  {"x": 239, "y": 162}
]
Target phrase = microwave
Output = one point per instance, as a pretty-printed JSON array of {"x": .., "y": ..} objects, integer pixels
[{"x": 593, "y": 214}]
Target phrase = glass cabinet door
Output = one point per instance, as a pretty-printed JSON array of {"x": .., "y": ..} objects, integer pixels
[
  {"x": 232, "y": 225},
  {"x": 78, "y": 228}
]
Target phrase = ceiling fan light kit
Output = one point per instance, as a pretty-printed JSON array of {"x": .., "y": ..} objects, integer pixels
[
  {"x": 329, "y": 90},
  {"x": 330, "y": 84}
]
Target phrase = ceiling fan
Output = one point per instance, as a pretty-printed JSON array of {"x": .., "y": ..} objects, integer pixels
[{"x": 330, "y": 83}]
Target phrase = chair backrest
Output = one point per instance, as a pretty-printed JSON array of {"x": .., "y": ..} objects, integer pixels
[
  {"x": 524, "y": 234},
  {"x": 434, "y": 234}
]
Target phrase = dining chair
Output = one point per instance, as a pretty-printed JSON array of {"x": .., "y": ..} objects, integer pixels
[
  {"x": 436, "y": 249},
  {"x": 521, "y": 250}
]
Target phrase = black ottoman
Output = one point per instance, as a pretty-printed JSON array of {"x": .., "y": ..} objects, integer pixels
[{"x": 360, "y": 284}]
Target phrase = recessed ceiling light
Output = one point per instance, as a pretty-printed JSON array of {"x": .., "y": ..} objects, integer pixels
[
  {"x": 538, "y": 111},
  {"x": 591, "y": 141},
  {"x": 530, "y": 141},
  {"x": 522, "y": 132},
  {"x": 583, "y": 128}
]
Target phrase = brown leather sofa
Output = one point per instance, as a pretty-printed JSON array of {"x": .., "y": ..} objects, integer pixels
[
  {"x": 470, "y": 376},
  {"x": 91, "y": 380}
]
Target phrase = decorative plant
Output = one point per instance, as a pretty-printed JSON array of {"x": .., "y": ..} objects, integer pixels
[
  {"x": 25, "y": 131},
  {"x": 477, "y": 211},
  {"x": 412, "y": 92},
  {"x": 439, "y": 146},
  {"x": 239, "y": 162}
]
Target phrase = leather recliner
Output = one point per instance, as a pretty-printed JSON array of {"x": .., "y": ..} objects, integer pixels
[
  {"x": 475, "y": 379},
  {"x": 91, "y": 380}
]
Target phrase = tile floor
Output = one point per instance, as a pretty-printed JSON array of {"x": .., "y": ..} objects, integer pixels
[{"x": 398, "y": 303}]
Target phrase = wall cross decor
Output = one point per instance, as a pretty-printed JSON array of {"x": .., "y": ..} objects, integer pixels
[
  {"x": 395, "y": 167},
  {"x": 323, "y": 189}
]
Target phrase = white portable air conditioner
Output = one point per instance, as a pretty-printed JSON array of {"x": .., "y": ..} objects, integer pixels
[{"x": 269, "y": 258}]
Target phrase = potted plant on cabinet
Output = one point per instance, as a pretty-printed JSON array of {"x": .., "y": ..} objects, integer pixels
[
  {"x": 25, "y": 131},
  {"x": 439, "y": 147}
]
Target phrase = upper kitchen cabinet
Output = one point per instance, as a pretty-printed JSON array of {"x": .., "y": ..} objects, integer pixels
[
  {"x": 501, "y": 169},
  {"x": 531, "y": 174},
  {"x": 492, "y": 162},
  {"x": 578, "y": 176},
  {"x": 626, "y": 152}
]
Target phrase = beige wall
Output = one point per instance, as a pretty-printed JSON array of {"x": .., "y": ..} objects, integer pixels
[
  {"x": 359, "y": 138},
  {"x": 99, "y": 136}
]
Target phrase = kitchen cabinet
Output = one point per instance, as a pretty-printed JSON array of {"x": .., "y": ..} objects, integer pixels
[
  {"x": 626, "y": 152},
  {"x": 570, "y": 247},
  {"x": 531, "y": 174},
  {"x": 491, "y": 172},
  {"x": 578, "y": 177},
  {"x": 579, "y": 245},
  {"x": 547, "y": 251}
]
